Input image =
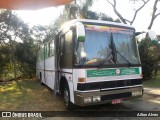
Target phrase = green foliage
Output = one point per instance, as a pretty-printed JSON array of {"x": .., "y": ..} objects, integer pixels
[
  {"x": 3, "y": 57},
  {"x": 26, "y": 55},
  {"x": 149, "y": 57},
  {"x": 42, "y": 34},
  {"x": 12, "y": 28},
  {"x": 8, "y": 71},
  {"x": 17, "y": 49},
  {"x": 154, "y": 82}
]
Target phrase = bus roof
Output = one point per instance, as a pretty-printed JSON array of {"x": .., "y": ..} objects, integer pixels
[{"x": 97, "y": 22}]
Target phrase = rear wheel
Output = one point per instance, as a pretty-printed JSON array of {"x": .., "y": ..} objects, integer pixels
[{"x": 66, "y": 94}]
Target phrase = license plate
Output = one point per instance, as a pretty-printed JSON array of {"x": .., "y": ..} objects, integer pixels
[{"x": 117, "y": 101}]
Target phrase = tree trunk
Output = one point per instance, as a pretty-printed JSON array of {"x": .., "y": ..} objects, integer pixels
[
  {"x": 151, "y": 23},
  {"x": 14, "y": 62},
  {"x": 154, "y": 15}
]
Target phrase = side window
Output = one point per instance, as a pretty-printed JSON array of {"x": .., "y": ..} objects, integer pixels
[
  {"x": 62, "y": 45},
  {"x": 46, "y": 51},
  {"x": 51, "y": 48},
  {"x": 68, "y": 42}
]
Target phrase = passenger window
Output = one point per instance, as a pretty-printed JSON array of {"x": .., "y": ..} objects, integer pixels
[
  {"x": 62, "y": 45},
  {"x": 68, "y": 42},
  {"x": 51, "y": 48},
  {"x": 46, "y": 51}
]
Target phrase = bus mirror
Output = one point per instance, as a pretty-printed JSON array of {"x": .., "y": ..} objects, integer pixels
[
  {"x": 152, "y": 36},
  {"x": 81, "y": 38},
  {"x": 80, "y": 32}
]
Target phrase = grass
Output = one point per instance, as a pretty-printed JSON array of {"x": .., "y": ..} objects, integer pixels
[
  {"x": 154, "y": 82},
  {"x": 28, "y": 95},
  {"x": 13, "y": 94}
]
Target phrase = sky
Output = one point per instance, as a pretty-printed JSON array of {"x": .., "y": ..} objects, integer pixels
[
  {"x": 43, "y": 16},
  {"x": 48, "y": 15}
]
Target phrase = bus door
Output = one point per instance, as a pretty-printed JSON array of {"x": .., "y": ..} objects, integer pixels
[{"x": 58, "y": 53}]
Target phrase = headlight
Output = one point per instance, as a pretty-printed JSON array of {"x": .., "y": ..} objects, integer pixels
[
  {"x": 96, "y": 98},
  {"x": 87, "y": 99},
  {"x": 136, "y": 93}
]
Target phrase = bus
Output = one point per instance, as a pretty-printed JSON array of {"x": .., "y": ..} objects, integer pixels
[{"x": 92, "y": 62}]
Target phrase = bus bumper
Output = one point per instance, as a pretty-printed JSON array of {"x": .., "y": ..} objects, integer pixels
[{"x": 110, "y": 96}]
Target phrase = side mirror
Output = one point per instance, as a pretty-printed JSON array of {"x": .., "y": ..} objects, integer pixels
[
  {"x": 80, "y": 32},
  {"x": 152, "y": 36}
]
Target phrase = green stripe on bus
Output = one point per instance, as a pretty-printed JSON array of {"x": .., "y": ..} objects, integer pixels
[{"x": 113, "y": 72}]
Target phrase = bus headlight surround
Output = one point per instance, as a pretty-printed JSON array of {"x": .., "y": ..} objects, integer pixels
[
  {"x": 96, "y": 98},
  {"x": 87, "y": 99},
  {"x": 136, "y": 93}
]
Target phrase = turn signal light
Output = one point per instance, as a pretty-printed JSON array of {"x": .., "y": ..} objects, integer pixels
[{"x": 81, "y": 80}]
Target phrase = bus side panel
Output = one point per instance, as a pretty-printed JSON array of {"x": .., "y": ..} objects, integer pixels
[
  {"x": 50, "y": 72},
  {"x": 68, "y": 73},
  {"x": 40, "y": 70},
  {"x": 78, "y": 73}
]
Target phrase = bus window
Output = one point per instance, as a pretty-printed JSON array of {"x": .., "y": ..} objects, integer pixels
[
  {"x": 62, "y": 45},
  {"x": 51, "y": 48},
  {"x": 68, "y": 42},
  {"x": 46, "y": 51}
]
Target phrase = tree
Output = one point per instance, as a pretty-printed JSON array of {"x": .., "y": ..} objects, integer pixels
[
  {"x": 149, "y": 56},
  {"x": 81, "y": 9},
  {"x": 12, "y": 29},
  {"x": 26, "y": 55},
  {"x": 155, "y": 14},
  {"x": 104, "y": 17},
  {"x": 124, "y": 20},
  {"x": 42, "y": 34},
  {"x": 4, "y": 51},
  {"x": 155, "y": 10},
  {"x": 38, "y": 33},
  {"x": 77, "y": 9}
]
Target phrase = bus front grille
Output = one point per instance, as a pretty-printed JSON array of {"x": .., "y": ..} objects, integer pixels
[{"x": 109, "y": 84}]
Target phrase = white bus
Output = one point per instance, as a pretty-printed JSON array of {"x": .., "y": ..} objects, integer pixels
[{"x": 92, "y": 62}]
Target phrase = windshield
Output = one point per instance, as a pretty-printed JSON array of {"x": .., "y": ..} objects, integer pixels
[
  {"x": 126, "y": 46},
  {"x": 98, "y": 46}
]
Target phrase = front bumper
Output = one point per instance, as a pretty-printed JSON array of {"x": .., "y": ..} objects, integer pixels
[{"x": 106, "y": 96}]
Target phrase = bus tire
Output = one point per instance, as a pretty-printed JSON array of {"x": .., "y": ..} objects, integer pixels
[{"x": 66, "y": 95}]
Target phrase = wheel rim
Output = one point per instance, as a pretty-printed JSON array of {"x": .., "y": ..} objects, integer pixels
[{"x": 66, "y": 97}]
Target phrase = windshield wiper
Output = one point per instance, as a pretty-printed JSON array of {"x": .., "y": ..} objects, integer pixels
[
  {"x": 112, "y": 56},
  {"x": 109, "y": 57},
  {"x": 124, "y": 58},
  {"x": 114, "y": 51}
]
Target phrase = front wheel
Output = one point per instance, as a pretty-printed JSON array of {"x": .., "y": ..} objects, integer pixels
[{"x": 68, "y": 104}]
